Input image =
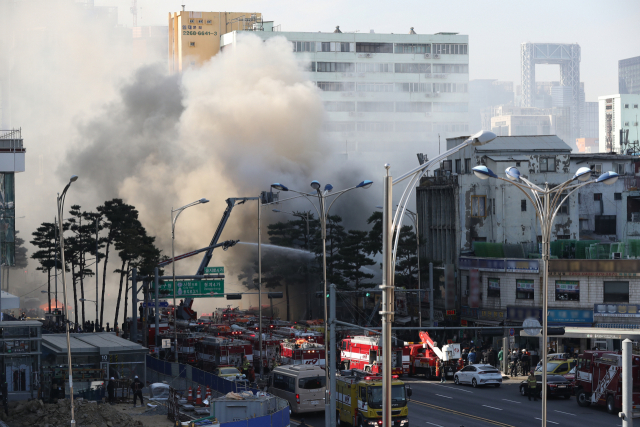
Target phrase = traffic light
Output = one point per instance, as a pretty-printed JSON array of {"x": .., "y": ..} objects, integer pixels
[
  {"x": 555, "y": 330},
  {"x": 368, "y": 294},
  {"x": 319, "y": 294},
  {"x": 275, "y": 295},
  {"x": 234, "y": 296}
]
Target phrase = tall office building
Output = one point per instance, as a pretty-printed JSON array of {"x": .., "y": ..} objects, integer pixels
[
  {"x": 618, "y": 123},
  {"x": 629, "y": 76},
  {"x": 385, "y": 92},
  {"x": 194, "y": 37},
  {"x": 589, "y": 126},
  {"x": 12, "y": 161}
]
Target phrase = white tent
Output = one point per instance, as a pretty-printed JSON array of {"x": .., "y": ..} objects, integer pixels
[{"x": 9, "y": 301}]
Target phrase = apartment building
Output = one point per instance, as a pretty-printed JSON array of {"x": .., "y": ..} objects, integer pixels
[{"x": 618, "y": 123}]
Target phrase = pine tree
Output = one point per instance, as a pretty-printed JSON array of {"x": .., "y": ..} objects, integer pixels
[
  {"x": 44, "y": 239},
  {"x": 352, "y": 258}
]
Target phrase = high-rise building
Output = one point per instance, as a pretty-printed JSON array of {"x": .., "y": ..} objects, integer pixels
[
  {"x": 589, "y": 126},
  {"x": 194, "y": 37},
  {"x": 618, "y": 117},
  {"x": 12, "y": 161},
  {"x": 629, "y": 76},
  {"x": 385, "y": 92}
]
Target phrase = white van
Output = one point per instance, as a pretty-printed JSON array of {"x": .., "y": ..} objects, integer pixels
[{"x": 303, "y": 386}]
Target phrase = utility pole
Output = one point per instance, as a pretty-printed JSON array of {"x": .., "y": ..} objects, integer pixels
[
  {"x": 431, "y": 294},
  {"x": 627, "y": 385},
  {"x": 330, "y": 349},
  {"x": 387, "y": 297},
  {"x": 134, "y": 306},
  {"x": 157, "y": 319},
  {"x": 97, "y": 230}
]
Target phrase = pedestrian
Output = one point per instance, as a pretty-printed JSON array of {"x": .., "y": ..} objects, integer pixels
[
  {"x": 302, "y": 423},
  {"x": 526, "y": 359},
  {"x": 532, "y": 385},
  {"x": 245, "y": 365},
  {"x": 501, "y": 356},
  {"x": 442, "y": 372},
  {"x": 137, "y": 386},
  {"x": 491, "y": 357},
  {"x": 472, "y": 356},
  {"x": 513, "y": 358},
  {"x": 111, "y": 390}
]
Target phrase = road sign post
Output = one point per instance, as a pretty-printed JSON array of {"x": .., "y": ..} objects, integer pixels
[
  {"x": 214, "y": 270},
  {"x": 193, "y": 289}
]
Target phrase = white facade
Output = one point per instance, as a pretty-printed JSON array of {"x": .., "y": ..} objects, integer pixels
[
  {"x": 386, "y": 92},
  {"x": 617, "y": 112}
]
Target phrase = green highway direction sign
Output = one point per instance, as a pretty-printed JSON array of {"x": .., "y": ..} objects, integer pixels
[
  {"x": 192, "y": 289},
  {"x": 214, "y": 270}
]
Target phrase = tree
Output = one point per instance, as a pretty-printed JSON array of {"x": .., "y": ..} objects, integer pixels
[
  {"x": 44, "y": 239},
  {"x": 406, "y": 259},
  {"x": 335, "y": 237},
  {"x": 353, "y": 258}
]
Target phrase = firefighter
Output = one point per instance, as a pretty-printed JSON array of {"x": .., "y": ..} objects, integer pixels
[
  {"x": 137, "y": 386},
  {"x": 440, "y": 367},
  {"x": 532, "y": 384},
  {"x": 111, "y": 390},
  {"x": 245, "y": 365}
]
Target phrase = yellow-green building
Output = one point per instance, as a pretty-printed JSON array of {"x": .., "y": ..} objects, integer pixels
[{"x": 194, "y": 37}]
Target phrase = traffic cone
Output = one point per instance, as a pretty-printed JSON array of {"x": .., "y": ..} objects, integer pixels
[
  {"x": 190, "y": 395},
  {"x": 198, "y": 396}
]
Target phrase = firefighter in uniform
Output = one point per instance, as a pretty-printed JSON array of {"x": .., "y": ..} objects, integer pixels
[
  {"x": 531, "y": 386},
  {"x": 442, "y": 371},
  {"x": 245, "y": 366}
]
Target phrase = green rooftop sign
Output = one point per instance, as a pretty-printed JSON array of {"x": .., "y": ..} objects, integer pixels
[{"x": 214, "y": 270}]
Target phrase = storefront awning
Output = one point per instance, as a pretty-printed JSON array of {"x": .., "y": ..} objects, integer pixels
[{"x": 595, "y": 333}]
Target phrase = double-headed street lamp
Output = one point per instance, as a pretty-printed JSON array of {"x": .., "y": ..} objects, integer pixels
[
  {"x": 323, "y": 214},
  {"x": 547, "y": 203},
  {"x": 60, "y": 203},
  {"x": 173, "y": 263}
]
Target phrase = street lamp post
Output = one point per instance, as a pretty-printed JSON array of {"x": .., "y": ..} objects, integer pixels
[
  {"x": 60, "y": 203},
  {"x": 306, "y": 217},
  {"x": 547, "y": 202},
  {"x": 173, "y": 263},
  {"x": 323, "y": 213},
  {"x": 391, "y": 228}
]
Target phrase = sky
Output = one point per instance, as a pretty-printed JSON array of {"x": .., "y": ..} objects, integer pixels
[{"x": 605, "y": 31}]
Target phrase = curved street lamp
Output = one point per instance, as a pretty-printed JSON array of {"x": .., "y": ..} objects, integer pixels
[
  {"x": 173, "y": 263},
  {"x": 323, "y": 213},
  {"x": 547, "y": 202},
  {"x": 60, "y": 203}
]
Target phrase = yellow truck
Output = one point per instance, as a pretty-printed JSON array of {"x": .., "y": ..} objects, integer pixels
[{"x": 359, "y": 400}]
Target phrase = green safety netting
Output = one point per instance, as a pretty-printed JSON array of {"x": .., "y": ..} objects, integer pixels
[{"x": 488, "y": 250}]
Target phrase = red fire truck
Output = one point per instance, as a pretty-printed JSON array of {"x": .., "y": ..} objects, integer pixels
[
  {"x": 425, "y": 356},
  {"x": 270, "y": 345},
  {"x": 217, "y": 351},
  {"x": 186, "y": 344},
  {"x": 362, "y": 352},
  {"x": 308, "y": 335},
  {"x": 298, "y": 351},
  {"x": 599, "y": 379}
]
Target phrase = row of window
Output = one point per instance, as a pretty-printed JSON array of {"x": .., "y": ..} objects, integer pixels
[
  {"x": 388, "y": 127},
  {"x": 401, "y": 68},
  {"x": 565, "y": 290},
  {"x": 390, "y": 107},
  {"x": 405, "y": 87},
  {"x": 415, "y": 48}
]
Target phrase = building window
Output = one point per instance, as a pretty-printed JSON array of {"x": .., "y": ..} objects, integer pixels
[
  {"x": 340, "y": 106},
  {"x": 413, "y": 107},
  {"x": 617, "y": 196},
  {"x": 450, "y": 49},
  {"x": 451, "y": 68},
  {"x": 523, "y": 205},
  {"x": 626, "y": 124},
  {"x": 375, "y": 126},
  {"x": 596, "y": 169},
  {"x": 412, "y": 68},
  {"x": 478, "y": 204},
  {"x": 344, "y": 47},
  {"x": 413, "y": 87},
  {"x": 200, "y": 21},
  {"x": 374, "y": 47},
  {"x": 616, "y": 292},
  {"x": 192, "y": 21},
  {"x": 620, "y": 168},
  {"x": 374, "y": 67},
  {"x": 605, "y": 224},
  {"x": 340, "y": 67},
  {"x": 450, "y": 107},
  {"x": 567, "y": 290},
  {"x": 467, "y": 166},
  {"x": 304, "y": 46},
  {"x": 192, "y": 44},
  {"x": 375, "y": 107},
  {"x": 493, "y": 288},
  {"x": 337, "y": 86},
  {"x": 209, "y": 22},
  {"x": 412, "y": 48},
  {"x": 517, "y": 164},
  {"x": 626, "y": 105},
  {"x": 339, "y": 126},
  {"x": 547, "y": 164},
  {"x": 597, "y": 197},
  {"x": 524, "y": 289},
  {"x": 450, "y": 87},
  {"x": 413, "y": 127},
  {"x": 375, "y": 87},
  {"x": 458, "y": 166},
  {"x": 635, "y": 105},
  {"x": 308, "y": 66},
  {"x": 564, "y": 208}
]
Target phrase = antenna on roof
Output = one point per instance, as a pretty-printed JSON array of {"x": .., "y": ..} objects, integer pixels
[{"x": 183, "y": 8}]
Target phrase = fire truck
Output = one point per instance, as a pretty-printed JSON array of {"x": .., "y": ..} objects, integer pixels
[
  {"x": 362, "y": 352},
  {"x": 270, "y": 345},
  {"x": 217, "y": 351},
  {"x": 359, "y": 400},
  {"x": 599, "y": 380},
  {"x": 424, "y": 357},
  {"x": 297, "y": 351},
  {"x": 186, "y": 344},
  {"x": 311, "y": 336}
]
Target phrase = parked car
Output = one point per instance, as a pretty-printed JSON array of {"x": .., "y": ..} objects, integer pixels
[
  {"x": 557, "y": 385},
  {"x": 571, "y": 377},
  {"x": 554, "y": 356},
  {"x": 478, "y": 375},
  {"x": 227, "y": 371},
  {"x": 559, "y": 367}
]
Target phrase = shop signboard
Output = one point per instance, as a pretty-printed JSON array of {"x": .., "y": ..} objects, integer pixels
[
  {"x": 616, "y": 310},
  {"x": 474, "y": 288},
  {"x": 488, "y": 314},
  {"x": 573, "y": 317},
  {"x": 522, "y": 266},
  {"x": 471, "y": 313},
  {"x": 437, "y": 315},
  {"x": 519, "y": 314},
  {"x": 482, "y": 264}
]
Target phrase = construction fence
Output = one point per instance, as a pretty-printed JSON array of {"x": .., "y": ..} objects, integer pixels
[{"x": 181, "y": 377}]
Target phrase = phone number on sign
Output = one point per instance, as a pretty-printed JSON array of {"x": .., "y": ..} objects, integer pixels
[{"x": 199, "y": 33}]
